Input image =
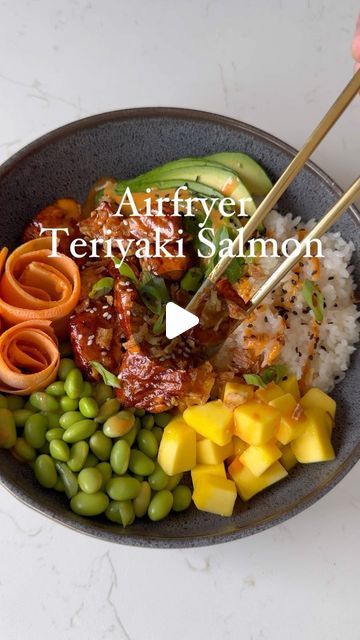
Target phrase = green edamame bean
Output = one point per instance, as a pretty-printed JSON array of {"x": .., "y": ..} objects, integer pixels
[
  {"x": 87, "y": 391},
  {"x": 80, "y": 431},
  {"x": 106, "y": 472},
  {"x": 78, "y": 454},
  {"x": 103, "y": 392},
  {"x": 108, "y": 409},
  {"x": 74, "y": 384},
  {"x": 69, "y": 418},
  {"x": 119, "y": 425},
  {"x": 88, "y": 407},
  {"x": 71, "y": 486},
  {"x": 68, "y": 404},
  {"x": 158, "y": 433},
  {"x": 140, "y": 412},
  {"x": 121, "y": 512},
  {"x": 53, "y": 420},
  {"x": 147, "y": 443},
  {"x": 142, "y": 500},
  {"x": 56, "y": 389},
  {"x": 21, "y": 415},
  {"x": 91, "y": 460},
  {"x": 35, "y": 430},
  {"x": 54, "y": 434},
  {"x": 90, "y": 480},
  {"x": 160, "y": 505},
  {"x": 15, "y": 402},
  {"x": 101, "y": 445},
  {"x": 59, "y": 450},
  {"x": 7, "y": 429},
  {"x": 23, "y": 451},
  {"x": 140, "y": 464},
  {"x": 125, "y": 488},
  {"x": 59, "y": 485},
  {"x": 182, "y": 498},
  {"x": 158, "y": 479},
  {"x": 45, "y": 471},
  {"x": 162, "y": 419},
  {"x": 174, "y": 481},
  {"x": 147, "y": 422},
  {"x": 65, "y": 349},
  {"x": 120, "y": 456},
  {"x": 3, "y": 402},
  {"x": 66, "y": 365},
  {"x": 86, "y": 504},
  {"x": 43, "y": 402}
]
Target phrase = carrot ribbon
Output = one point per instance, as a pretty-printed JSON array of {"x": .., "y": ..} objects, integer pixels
[
  {"x": 29, "y": 357},
  {"x": 35, "y": 285}
]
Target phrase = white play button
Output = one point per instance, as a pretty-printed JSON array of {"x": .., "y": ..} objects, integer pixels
[{"x": 178, "y": 320}]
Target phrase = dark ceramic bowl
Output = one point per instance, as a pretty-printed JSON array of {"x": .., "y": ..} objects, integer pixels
[{"x": 66, "y": 162}]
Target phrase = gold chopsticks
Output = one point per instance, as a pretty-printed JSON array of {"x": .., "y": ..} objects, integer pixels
[
  {"x": 335, "y": 111},
  {"x": 320, "y": 228}
]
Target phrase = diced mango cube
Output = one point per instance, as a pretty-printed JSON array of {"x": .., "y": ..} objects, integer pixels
[
  {"x": 236, "y": 393},
  {"x": 289, "y": 429},
  {"x": 318, "y": 399},
  {"x": 314, "y": 444},
  {"x": 215, "y": 495},
  {"x": 177, "y": 451},
  {"x": 207, "y": 452},
  {"x": 248, "y": 485},
  {"x": 288, "y": 459},
  {"x": 285, "y": 404},
  {"x": 271, "y": 392},
  {"x": 207, "y": 469},
  {"x": 290, "y": 385},
  {"x": 258, "y": 459},
  {"x": 256, "y": 423},
  {"x": 213, "y": 420}
]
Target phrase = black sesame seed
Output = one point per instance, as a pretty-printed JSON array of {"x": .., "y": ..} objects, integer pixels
[{"x": 331, "y": 277}]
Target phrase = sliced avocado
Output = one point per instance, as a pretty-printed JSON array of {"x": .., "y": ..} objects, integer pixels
[
  {"x": 195, "y": 187},
  {"x": 250, "y": 172},
  {"x": 211, "y": 175}
]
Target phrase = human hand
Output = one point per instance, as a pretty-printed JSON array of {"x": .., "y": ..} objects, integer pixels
[{"x": 355, "y": 46}]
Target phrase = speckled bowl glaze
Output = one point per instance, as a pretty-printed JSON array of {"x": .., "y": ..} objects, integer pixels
[{"x": 123, "y": 143}]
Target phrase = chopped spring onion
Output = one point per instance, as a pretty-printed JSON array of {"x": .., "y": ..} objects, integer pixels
[
  {"x": 275, "y": 373},
  {"x": 192, "y": 279},
  {"x": 314, "y": 299},
  {"x": 153, "y": 292},
  {"x": 108, "y": 377},
  {"x": 125, "y": 270},
  {"x": 101, "y": 288}
]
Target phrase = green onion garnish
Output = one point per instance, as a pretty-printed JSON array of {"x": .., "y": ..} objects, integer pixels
[
  {"x": 108, "y": 377},
  {"x": 314, "y": 299},
  {"x": 101, "y": 288}
]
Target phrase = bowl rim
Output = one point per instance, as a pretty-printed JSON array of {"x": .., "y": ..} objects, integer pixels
[{"x": 109, "y": 534}]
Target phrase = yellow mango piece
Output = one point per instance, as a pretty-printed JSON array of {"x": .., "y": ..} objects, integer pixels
[
  {"x": 315, "y": 398},
  {"x": 213, "y": 420},
  {"x": 314, "y": 444},
  {"x": 290, "y": 385},
  {"x": 288, "y": 459},
  {"x": 207, "y": 469},
  {"x": 236, "y": 393},
  {"x": 256, "y": 423},
  {"x": 238, "y": 447},
  {"x": 271, "y": 392},
  {"x": 177, "y": 451},
  {"x": 289, "y": 429},
  {"x": 207, "y": 452},
  {"x": 248, "y": 485},
  {"x": 258, "y": 459},
  {"x": 215, "y": 495},
  {"x": 285, "y": 404}
]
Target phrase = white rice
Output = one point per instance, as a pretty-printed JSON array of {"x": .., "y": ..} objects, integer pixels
[{"x": 339, "y": 330}]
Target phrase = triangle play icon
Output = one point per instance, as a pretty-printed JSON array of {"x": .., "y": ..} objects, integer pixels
[{"x": 178, "y": 320}]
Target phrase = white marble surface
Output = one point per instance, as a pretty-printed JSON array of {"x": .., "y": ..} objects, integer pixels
[{"x": 275, "y": 64}]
